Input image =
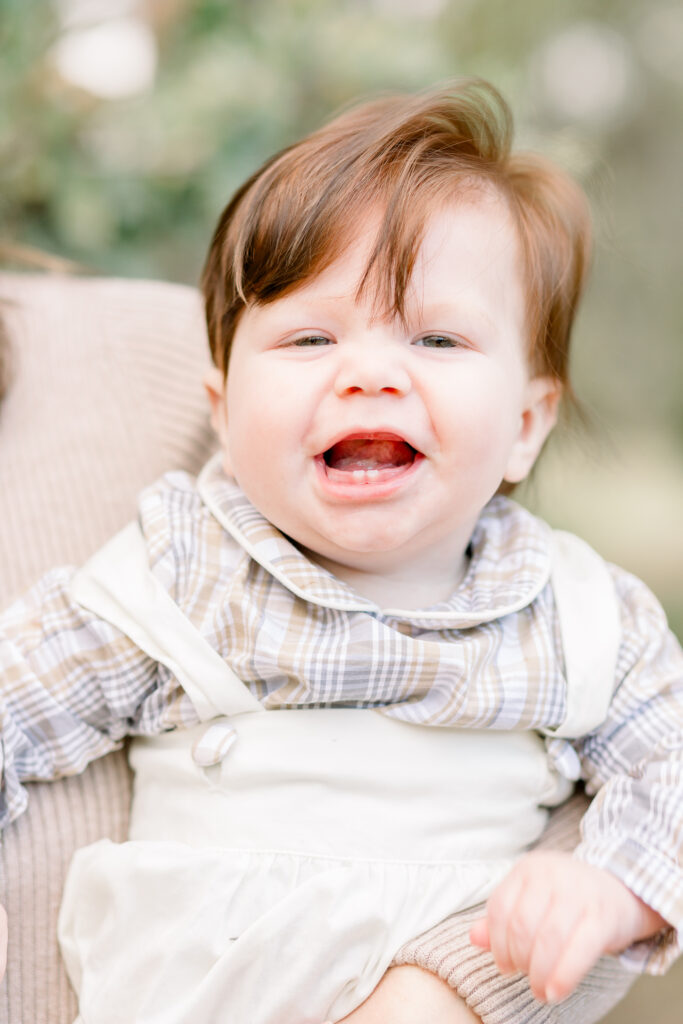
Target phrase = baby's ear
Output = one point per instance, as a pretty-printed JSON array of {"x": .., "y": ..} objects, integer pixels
[
  {"x": 215, "y": 389},
  {"x": 539, "y": 416},
  {"x": 214, "y": 384}
]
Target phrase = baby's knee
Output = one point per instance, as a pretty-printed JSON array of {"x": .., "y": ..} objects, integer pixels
[{"x": 410, "y": 995}]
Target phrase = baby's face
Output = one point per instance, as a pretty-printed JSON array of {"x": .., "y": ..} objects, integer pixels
[{"x": 371, "y": 442}]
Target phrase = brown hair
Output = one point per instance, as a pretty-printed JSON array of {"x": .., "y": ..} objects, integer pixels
[{"x": 409, "y": 155}]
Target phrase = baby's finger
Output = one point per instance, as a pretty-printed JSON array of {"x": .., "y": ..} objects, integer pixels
[
  {"x": 584, "y": 946},
  {"x": 499, "y": 911},
  {"x": 552, "y": 939},
  {"x": 528, "y": 918},
  {"x": 479, "y": 934}
]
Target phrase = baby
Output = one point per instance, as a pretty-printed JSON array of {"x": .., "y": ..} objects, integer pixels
[{"x": 389, "y": 305}]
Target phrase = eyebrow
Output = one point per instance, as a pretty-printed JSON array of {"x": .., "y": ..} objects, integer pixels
[
  {"x": 447, "y": 310},
  {"x": 441, "y": 314},
  {"x": 304, "y": 307}
]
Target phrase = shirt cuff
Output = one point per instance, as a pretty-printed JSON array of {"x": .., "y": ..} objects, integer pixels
[
  {"x": 658, "y": 882},
  {"x": 655, "y": 955}
]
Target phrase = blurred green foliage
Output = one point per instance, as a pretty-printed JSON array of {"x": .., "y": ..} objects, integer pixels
[{"x": 134, "y": 186}]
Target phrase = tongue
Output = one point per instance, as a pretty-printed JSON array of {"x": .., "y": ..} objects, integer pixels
[{"x": 365, "y": 453}]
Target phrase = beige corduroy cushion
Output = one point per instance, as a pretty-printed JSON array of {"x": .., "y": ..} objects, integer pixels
[{"x": 105, "y": 396}]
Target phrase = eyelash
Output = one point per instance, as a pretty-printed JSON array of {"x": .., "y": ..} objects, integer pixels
[
  {"x": 313, "y": 340},
  {"x": 308, "y": 340},
  {"x": 450, "y": 342}
]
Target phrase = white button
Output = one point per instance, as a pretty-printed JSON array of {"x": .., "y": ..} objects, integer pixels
[{"x": 214, "y": 744}]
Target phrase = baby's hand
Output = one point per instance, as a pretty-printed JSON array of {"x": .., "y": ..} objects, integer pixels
[{"x": 553, "y": 916}]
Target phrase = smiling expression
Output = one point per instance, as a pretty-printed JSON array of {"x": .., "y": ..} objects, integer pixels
[{"x": 373, "y": 442}]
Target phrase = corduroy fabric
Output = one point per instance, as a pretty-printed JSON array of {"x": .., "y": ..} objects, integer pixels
[{"x": 105, "y": 395}]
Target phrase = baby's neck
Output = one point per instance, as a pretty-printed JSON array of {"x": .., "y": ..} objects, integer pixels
[{"x": 402, "y": 587}]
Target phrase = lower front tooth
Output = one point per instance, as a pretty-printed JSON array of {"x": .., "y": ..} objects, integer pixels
[{"x": 364, "y": 476}]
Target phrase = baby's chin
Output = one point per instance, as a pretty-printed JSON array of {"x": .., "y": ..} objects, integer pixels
[{"x": 363, "y": 557}]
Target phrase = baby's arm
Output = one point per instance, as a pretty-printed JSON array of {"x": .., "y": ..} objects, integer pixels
[
  {"x": 556, "y": 913},
  {"x": 71, "y": 687},
  {"x": 554, "y": 916}
]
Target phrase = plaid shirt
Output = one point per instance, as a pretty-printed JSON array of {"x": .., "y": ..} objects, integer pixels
[{"x": 73, "y": 686}]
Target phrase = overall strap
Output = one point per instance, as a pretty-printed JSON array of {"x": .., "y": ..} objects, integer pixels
[
  {"x": 590, "y": 628},
  {"x": 118, "y": 585}
]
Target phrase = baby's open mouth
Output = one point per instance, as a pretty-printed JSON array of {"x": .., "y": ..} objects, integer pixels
[{"x": 368, "y": 459}]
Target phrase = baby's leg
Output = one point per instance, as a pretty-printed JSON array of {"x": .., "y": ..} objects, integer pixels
[{"x": 411, "y": 995}]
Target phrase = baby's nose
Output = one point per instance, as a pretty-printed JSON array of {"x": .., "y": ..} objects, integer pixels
[{"x": 373, "y": 373}]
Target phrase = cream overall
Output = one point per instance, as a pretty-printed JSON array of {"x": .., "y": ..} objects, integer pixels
[{"x": 278, "y": 860}]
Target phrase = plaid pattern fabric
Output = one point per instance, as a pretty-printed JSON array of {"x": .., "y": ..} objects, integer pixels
[{"x": 73, "y": 686}]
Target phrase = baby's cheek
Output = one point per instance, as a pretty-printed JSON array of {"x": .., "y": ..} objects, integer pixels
[{"x": 253, "y": 431}]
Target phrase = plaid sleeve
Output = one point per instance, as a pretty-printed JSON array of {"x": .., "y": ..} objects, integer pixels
[
  {"x": 72, "y": 687},
  {"x": 634, "y": 765}
]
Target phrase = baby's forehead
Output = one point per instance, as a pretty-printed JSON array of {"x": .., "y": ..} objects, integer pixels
[{"x": 369, "y": 260}]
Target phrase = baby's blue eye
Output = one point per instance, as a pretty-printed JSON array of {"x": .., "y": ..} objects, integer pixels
[
  {"x": 310, "y": 340},
  {"x": 437, "y": 341}
]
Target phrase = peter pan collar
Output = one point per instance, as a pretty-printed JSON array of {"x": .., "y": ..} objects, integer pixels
[{"x": 510, "y": 560}]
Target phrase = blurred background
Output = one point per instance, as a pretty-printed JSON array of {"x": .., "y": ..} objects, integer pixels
[{"x": 125, "y": 125}]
